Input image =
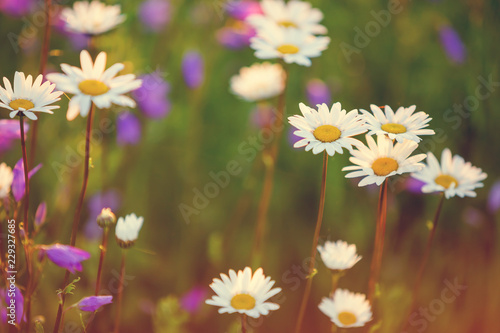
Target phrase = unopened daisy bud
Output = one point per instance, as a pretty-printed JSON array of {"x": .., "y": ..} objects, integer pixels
[
  {"x": 106, "y": 218},
  {"x": 127, "y": 230}
]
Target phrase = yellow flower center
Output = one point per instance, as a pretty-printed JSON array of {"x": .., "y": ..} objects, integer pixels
[
  {"x": 288, "y": 49},
  {"x": 21, "y": 104},
  {"x": 347, "y": 318},
  {"x": 384, "y": 166},
  {"x": 394, "y": 128},
  {"x": 445, "y": 181},
  {"x": 93, "y": 87},
  {"x": 327, "y": 133},
  {"x": 243, "y": 302},
  {"x": 287, "y": 24}
]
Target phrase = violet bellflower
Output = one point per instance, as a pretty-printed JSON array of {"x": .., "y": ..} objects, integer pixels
[
  {"x": 318, "y": 92},
  {"x": 9, "y": 131},
  {"x": 128, "y": 129},
  {"x": 152, "y": 96},
  {"x": 193, "y": 69},
  {"x": 93, "y": 303},
  {"x": 452, "y": 44},
  {"x": 14, "y": 304},
  {"x": 193, "y": 299},
  {"x": 109, "y": 199},
  {"x": 18, "y": 184},
  {"x": 41, "y": 214},
  {"x": 65, "y": 256},
  {"x": 154, "y": 14}
]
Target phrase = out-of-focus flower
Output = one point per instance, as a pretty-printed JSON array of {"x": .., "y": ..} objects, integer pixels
[
  {"x": 259, "y": 82},
  {"x": 241, "y": 9},
  {"x": 110, "y": 199},
  {"x": 93, "y": 303},
  {"x": 18, "y": 184},
  {"x": 400, "y": 125},
  {"x": 338, "y": 255},
  {"x": 93, "y": 84},
  {"x": 235, "y": 35},
  {"x": 128, "y": 129},
  {"x": 40, "y": 215},
  {"x": 473, "y": 217},
  {"x": 28, "y": 96},
  {"x": 318, "y": 92},
  {"x": 16, "y": 7},
  {"x": 347, "y": 309},
  {"x": 10, "y": 131},
  {"x": 193, "y": 299},
  {"x": 193, "y": 69},
  {"x": 106, "y": 218},
  {"x": 127, "y": 230},
  {"x": 494, "y": 198},
  {"x": 453, "y": 176},
  {"x": 381, "y": 160},
  {"x": 65, "y": 256},
  {"x": 78, "y": 40},
  {"x": 325, "y": 129},
  {"x": 292, "y": 14},
  {"x": 452, "y": 44},
  {"x": 11, "y": 311},
  {"x": 290, "y": 44},
  {"x": 262, "y": 116},
  {"x": 414, "y": 185},
  {"x": 152, "y": 96},
  {"x": 92, "y": 18},
  {"x": 244, "y": 293},
  {"x": 6, "y": 178},
  {"x": 154, "y": 14},
  {"x": 292, "y": 137}
]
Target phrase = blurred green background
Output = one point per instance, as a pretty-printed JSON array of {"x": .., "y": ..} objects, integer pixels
[{"x": 403, "y": 64}]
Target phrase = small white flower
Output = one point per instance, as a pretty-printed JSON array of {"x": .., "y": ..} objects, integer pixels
[
  {"x": 404, "y": 124},
  {"x": 6, "y": 178},
  {"x": 244, "y": 293},
  {"x": 453, "y": 177},
  {"x": 338, "y": 255},
  {"x": 290, "y": 44},
  {"x": 92, "y": 18},
  {"x": 327, "y": 129},
  {"x": 28, "y": 96},
  {"x": 381, "y": 160},
  {"x": 93, "y": 84},
  {"x": 259, "y": 82},
  {"x": 127, "y": 229},
  {"x": 347, "y": 309},
  {"x": 293, "y": 14}
]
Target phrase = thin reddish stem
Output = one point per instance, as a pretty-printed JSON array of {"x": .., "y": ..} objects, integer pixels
[
  {"x": 120, "y": 294},
  {"x": 104, "y": 247},
  {"x": 314, "y": 249}
]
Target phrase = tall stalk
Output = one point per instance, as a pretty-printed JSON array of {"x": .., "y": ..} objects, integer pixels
[
  {"x": 314, "y": 249},
  {"x": 120, "y": 294}
]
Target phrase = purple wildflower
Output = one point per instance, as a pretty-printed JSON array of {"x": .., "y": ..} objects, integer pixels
[
  {"x": 192, "y": 300},
  {"x": 152, "y": 97},
  {"x": 128, "y": 129},
  {"x": 110, "y": 199},
  {"x": 154, "y": 14},
  {"x": 9, "y": 131},
  {"x": 240, "y": 10},
  {"x": 193, "y": 69},
  {"x": 93, "y": 303},
  {"x": 65, "y": 256},
  {"x": 14, "y": 304},
  {"x": 292, "y": 138},
  {"x": 18, "y": 185},
  {"x": 318, "y": 92},
  {"x": 262, "y": 116},
  {"x": 452, "y": 44},
  {"x": 16, "y": 7},
  {"x": 494, "y": 198},
  {"x": 41, "y": 214},
  {"x": 236, "y": 35}
]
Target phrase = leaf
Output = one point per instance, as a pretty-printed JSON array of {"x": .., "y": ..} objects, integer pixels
[{"x": 69, "y": 288}]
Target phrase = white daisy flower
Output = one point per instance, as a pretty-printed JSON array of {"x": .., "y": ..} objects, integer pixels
[
  {"x": 6, "y": 178},
  {"x": 127, "y": 230},
  {"x": 404, "y": 124},
  {"x": 347, "y": 309},
  {"x": 293, "y": 14},
  {"x": 93, "y": 84},
  {"x": 259, "y": 82},
  {"x": 453, "y": 177},
  {"x": 293, "y": 45},
  {"x": 28, "y": 96},
  {"x": 327, "y": 129},
  {"x": 92, "y": 18},
  {"x": 381, "y": 160},
  {"x": 244, "y": 293},
  {"x": 338, "y": 255}
]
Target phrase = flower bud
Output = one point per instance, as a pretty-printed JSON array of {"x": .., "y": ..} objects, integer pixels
[{"x": 106, "y": 218}]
